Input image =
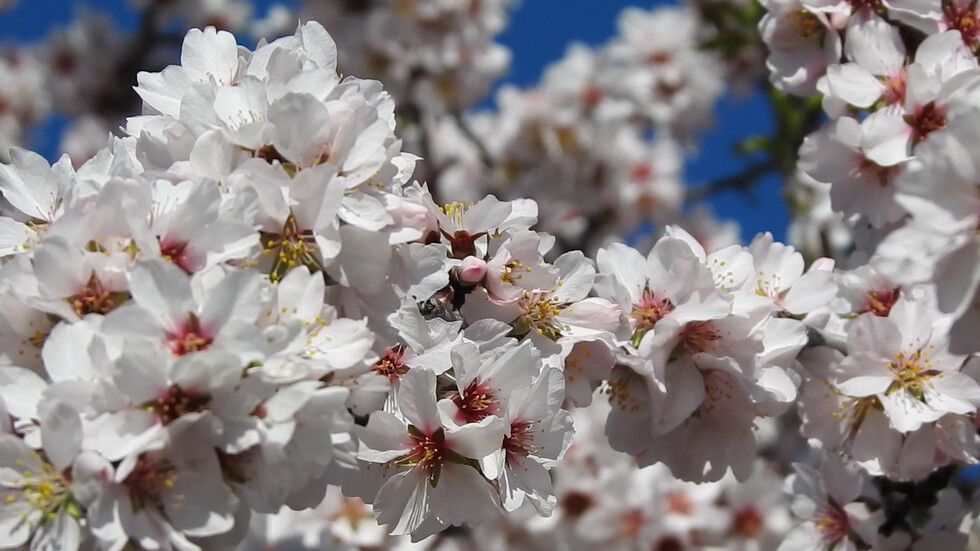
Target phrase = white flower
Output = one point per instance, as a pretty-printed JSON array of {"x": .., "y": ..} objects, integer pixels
[
  {"x": 802, "y": 43},
  {"x": 902, "y": 360},
  {"x": 163, "y": 498},
  {"x": 432, "y": 485},
  {"x": 826, "y": 500},
  {"x": 182, "y": 314},
  {"x": 539, "y": 434},
  {"x": 779, "y": 276},
  {"x": 36, "y": 500}
]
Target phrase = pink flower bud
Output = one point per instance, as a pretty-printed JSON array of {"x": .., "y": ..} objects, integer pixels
[{"x": 472, "y": 270}]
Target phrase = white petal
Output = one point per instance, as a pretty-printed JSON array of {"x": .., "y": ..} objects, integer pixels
[
  {"x": 477, "y": 440},
  {"x": 61, "y": 433},
  {"x": 383, "y": 439},
  {"x": 417, "y": 400},
  {"x": 210, "y": 53},
  {"x": 906, "y": 412},
  {"x": 887, "y": 137},
  {"x": 861, "y": 375},
  {"x": 403, "y": 501}
]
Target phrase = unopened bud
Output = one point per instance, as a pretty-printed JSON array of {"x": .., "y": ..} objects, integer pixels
[{"x": 472, "y": 270}]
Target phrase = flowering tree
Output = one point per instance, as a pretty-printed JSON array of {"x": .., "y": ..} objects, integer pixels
[{"x": 289, "y": 309}]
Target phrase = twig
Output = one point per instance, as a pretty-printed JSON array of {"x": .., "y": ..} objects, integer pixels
[
  {"x": 485, "y": 156},
  {"x": 741, "y": 181}
]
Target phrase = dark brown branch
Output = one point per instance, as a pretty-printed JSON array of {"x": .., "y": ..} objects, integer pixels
[
  {"x": 742, "y": 181},
  {"x": 481, "y": 148}
]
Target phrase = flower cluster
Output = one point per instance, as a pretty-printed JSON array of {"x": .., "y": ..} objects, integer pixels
[
  {"x": 255, "y": 320},
  {"x": 586, "y": 128},
  {"x": 704, "y": 351}
]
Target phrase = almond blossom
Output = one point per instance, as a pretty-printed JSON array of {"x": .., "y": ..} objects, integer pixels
[
  {"x": 429, "y": 461},
  {"x": 291, "y": 307}
]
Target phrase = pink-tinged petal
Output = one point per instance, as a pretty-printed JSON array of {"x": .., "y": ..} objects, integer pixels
[
  {"x": 162, "y": 91},
  {"x": 854, "y": 84},
  {"x": 511, "y": 489},
  {"x": 805, "y": 537},
  {"x": 163, "y": 290},
  {"x": 703, "y": 305},
  {"x": 953, "y": 392},
  {"x": 319, "y": 45},
  {"x": 63, "y": 532},
  {"x": 938, "y": 49},
  {"x": 383, "y": 439},
  {"x": 213, "y": 156},
  {"x": 142, "y": 374},
  {"x": 477, "y": 440},
  {"x": 622, "y": 262},
  {"x": 921, "y": 87},
  {"x": 914, "y": 322},
  {"x": 116, "y": 435},
  {"x": 657, "y": 345},
  {"x": 463, "y": 495},
  {"x": 198, "y": 507},
  {"x": 21, "y": 391},
  {"x": 918, "y": 456},
  {"x": 15, "y": 529},
  {"x": 863, "y": 375},
  {"x": 210, "y": 53},
  {"x": 783, "y": 339},
  {"x": 842, "y": 483},
  {"x": 831, "y": 154},
  {"x": 587, "y": 363},
  {"x": 302, "y": 291},
  {"x": 363, "y": 262},
  {"x": 576, "y": 276},
  {"x": 487, "y": 214},
  {"x": 678, "y": 237},
  {"x": 417, "y": 400},
  {"x": 597, "y": 314},
  {"x": 907, "y": 413},
  {"x": 685, "y": 393},
  {"x": 134, "y": 321},
  {"x": 61, "y": 269},
  {"x": 403, "y": 501},
  {"x": 61, "y": 433},
  {"x": 236, "y": 298},
  {"x": 466, "y": 364},
  {"x": 811, "y": 291},
  {"x": 15, "y": 237},
  {"x": 29, "y": 184},
  {"x": 628, "y": 426},
  {"x": 876, "y": 445},
  {"x": 875, "y": 44},
  {"x": 875, "y": 336},
  {"x": 512, "y": 369},
  {"x": 302, "y": 124},
  {"x": 957, "y": 278},
  {"x": 887, "y": 136},
  {"x": 492, "y": 465},
  {"x": 527, "y": 477}
]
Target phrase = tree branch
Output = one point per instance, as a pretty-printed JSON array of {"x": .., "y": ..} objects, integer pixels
[
  {"x": 741, "y": 181},
  {"x": 485, "y": 156}
]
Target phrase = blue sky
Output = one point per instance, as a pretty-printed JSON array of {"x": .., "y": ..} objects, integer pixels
[{"x": 538, "y": 34}]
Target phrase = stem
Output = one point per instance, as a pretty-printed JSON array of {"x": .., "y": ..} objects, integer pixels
[
  {"x": 740, "y": 181},
  {"x": 485, "y": 156}
]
